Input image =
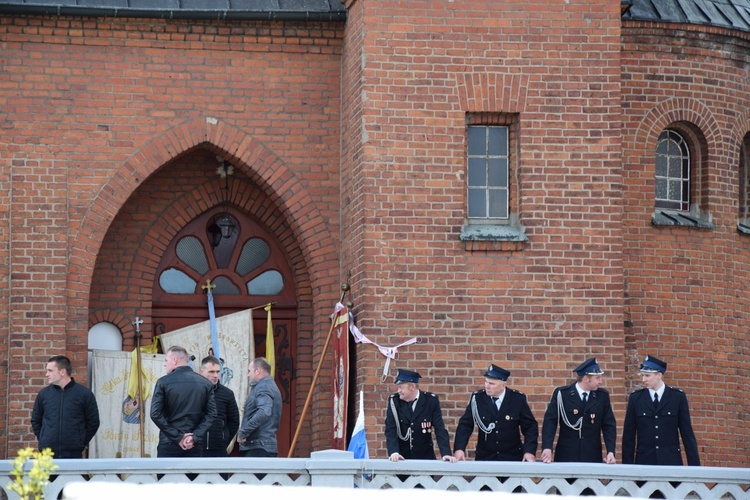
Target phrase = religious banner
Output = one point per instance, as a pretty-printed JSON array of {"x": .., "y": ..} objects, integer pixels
[
  {"x": 119, "y": 434},
  {"x": 340, "y": 376},
  {"x": 236, "y": 348}
]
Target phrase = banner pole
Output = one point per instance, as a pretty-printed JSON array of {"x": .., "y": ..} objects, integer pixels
[
  {"x": 344, "y": 289},
  {"x": 138, "y": 321}
]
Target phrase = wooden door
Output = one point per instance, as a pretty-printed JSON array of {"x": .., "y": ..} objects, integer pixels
[{"x": 249, "y": 270}]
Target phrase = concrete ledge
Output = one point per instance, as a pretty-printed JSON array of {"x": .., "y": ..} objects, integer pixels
[{"x": 113, "y": 491}]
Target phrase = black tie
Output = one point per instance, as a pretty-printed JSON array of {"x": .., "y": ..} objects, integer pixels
[
  {"x": 408, "y": 410},
  {"x": 494, "y": 404},
  {"x": 585, "y": 397},
  {"x": 656, "y": 399}
]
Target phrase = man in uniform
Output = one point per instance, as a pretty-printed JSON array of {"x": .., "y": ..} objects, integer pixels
[
  {"x": 655, "y": 415},
  {"x": 584, "y": 413},
  {"x": 411, "y": 418},
  {"x": 502, "y": 415}
]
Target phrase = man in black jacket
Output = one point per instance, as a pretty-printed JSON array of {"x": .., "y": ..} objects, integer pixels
[
  {"x": 182, "y": 407},
  {"x": 584, "y": 414},
  {"x": 227, "y": 421},
  {"x": 502, "y": 415},
  {"x": 65, "y": 415},
  {"x": 657, "y": 416},
  {"x": 411, "y": 418}
]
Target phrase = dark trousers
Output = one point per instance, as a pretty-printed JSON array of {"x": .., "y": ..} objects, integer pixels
[
  {"x": 169, "y": 450},
  {"x": 259, "y": 452},
  {"x": 215, "y": 453}
]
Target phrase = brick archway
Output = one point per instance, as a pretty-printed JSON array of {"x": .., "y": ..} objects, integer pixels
[
  {"x": 315, "y": 249},
  {"x": 675, "y": 110}
]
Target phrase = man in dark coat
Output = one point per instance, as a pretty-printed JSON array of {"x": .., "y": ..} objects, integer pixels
[
  {"x": 584, "y": 413},
  {"x": 182, "y": 407},
  {"x": 262, "y": 417},
  {"x": 411, "y": 418},
  {"x": 65, "y": 415},
  {"x": 657, "y": 416},
  {"x": 219, "y": 437},
  {"x": 502, "y": 415}
]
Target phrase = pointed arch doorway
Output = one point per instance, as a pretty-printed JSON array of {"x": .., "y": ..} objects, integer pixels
[{"x": 249, "y": 269}]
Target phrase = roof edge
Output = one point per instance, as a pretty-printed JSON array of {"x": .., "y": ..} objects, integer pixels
[{"x": 220, "y": 15}]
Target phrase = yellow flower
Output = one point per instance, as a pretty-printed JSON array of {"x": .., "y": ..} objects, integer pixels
[{"x": 32, "y": 487}]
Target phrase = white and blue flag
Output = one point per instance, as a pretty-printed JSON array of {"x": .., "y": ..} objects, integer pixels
[{"x": 358, "y": 443}]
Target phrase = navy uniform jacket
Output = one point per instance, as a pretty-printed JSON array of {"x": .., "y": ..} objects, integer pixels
[
  {"x": 656, "y": 430},
  {"x": 598, "y": 419},
  {"x": 504, "y": 441},
  {"x": 426, "y": 416}
]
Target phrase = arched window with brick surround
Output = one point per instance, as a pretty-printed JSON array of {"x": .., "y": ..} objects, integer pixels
[
  {"x": 743, "y": 223},
  {"x": 680, "y": 177},
  {"x": 249, "y": 268},
  {"x": 672, "y": 172}
]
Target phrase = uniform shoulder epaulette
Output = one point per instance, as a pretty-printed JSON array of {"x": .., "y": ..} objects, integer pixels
[
  {"x": 479, "y": 391},
  {"x": 676, "y": 389},
  {"x": 639, "y": 390},
  {"x": 517, "y": 392},
  {"x": 431, "y": 394}
]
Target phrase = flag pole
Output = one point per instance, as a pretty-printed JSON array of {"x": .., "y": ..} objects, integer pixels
[
  {"x": 137, "y": 323},
  {"x": 344, "y": 289}
]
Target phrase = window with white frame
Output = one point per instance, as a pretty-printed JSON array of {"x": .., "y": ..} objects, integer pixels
[
  {"x": 487, "y": 173},
  {"x": 672, "y": 172}
]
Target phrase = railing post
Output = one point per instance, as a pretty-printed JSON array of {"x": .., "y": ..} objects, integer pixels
[{"x": 332, "y": 468}]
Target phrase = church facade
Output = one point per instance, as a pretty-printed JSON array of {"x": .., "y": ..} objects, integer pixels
[{"x": 526, "y": 184}]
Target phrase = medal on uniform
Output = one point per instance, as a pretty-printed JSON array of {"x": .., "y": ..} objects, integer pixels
[
  {"x": 593, "y": 415},
  {"x": 575, "y": 411},
  {"x": 507, "y": 417}
]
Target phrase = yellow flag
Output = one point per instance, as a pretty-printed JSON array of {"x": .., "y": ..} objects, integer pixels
[
  {"x": 133, "y": 379},
  {"x": 270, "y": 345},
  {"x": 153, "y": 348}
]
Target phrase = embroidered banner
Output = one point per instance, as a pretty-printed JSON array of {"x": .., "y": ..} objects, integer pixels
[
  {"x": 236, "y": 347},
  {"x": 119, "y": 434},
  {"x": 340, "y": 376}
]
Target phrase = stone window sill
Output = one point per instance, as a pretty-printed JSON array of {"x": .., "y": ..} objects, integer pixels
[
  {"x": 662, "y": 218},
  {"x": 493, "y": 238}
]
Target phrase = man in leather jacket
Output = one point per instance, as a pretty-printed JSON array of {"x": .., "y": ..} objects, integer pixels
[
  {"x": 227, "y": 421},
  {"x": 182, "y": 407}
]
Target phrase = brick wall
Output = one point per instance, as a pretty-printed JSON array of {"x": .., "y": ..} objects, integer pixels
[
  {"x": 537, "y": 311},
  {"x": 95, "y": 108},
  {"x": 352, "y": 137},
  {"x": 686, "y": 289}
]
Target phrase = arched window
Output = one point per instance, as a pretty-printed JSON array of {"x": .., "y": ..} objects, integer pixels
[
  {"x": 104, "y": 336},
  {"x": 672, "y": 172},
  {"x": 744, "y": 201}
]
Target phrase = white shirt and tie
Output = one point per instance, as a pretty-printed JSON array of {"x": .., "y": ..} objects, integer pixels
[
  {"x": 584, "y": 395},
  {"x": 657, "y": 395},
  {"x": 498, "y": 400}
]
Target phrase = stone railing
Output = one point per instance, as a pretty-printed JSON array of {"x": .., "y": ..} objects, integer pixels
[{"x": 333, "y": 468}]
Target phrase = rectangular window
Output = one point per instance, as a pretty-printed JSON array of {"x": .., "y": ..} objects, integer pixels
[{"x": 487, "y": 172}]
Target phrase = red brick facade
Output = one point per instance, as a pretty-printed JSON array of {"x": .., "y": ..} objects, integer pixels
[{"x": 349, "y": 139}]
